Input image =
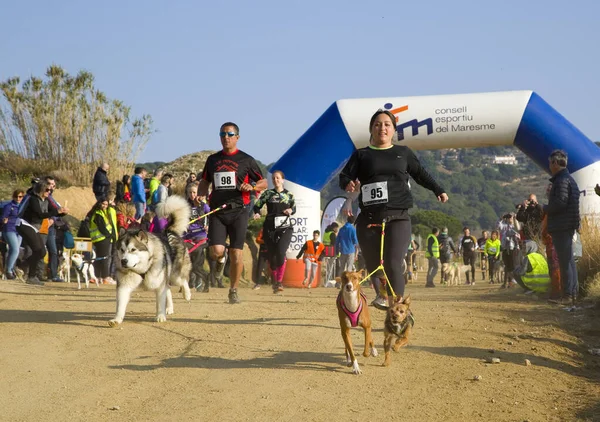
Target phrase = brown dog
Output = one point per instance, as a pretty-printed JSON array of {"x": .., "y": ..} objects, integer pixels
[
  {"x": 398, "y": 325},
  {"x": 353, "y": 311}
]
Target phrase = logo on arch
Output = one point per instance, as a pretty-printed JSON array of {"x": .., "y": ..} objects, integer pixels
[{"x": 414, "y": 124}]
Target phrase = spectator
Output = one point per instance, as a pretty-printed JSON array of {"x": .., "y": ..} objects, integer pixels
[
  {"x": 125, "y": 215},
  {"x": 162, "y": 192},
  {"x": 103, "y": 231},
  {"x": 532, "y": 272},
  {"x": 55, "y": 232},
  {"x": 468, "y": 247},
  {"x": 34, "y": 228},
  {"x": 10, "y": 217},
  {"x": 138, "y": 193},
  {"x": 155, "y": 182},
  {"x": 432, "y": 253},
  {"x": 101, "y": 184},
  {"x": 563, "y": 219},
  {"x": 347, "y": 245},
  {"x": 191, "y": 179},
  {"x": 509, "y": 240},
  {"x": 196, "y": 238},
  {"x": 313, "y": 252},
  {"x": 123, "y": 193},
  {"x": 330, "y": 254},
  {"x": 530, "y": 213}
]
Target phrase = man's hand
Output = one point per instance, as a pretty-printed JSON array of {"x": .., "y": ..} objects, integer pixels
[
  {"x": 256, "y": 216},
  {"x": 246, "y": 187},
  {"x": 443, "y": 197}
]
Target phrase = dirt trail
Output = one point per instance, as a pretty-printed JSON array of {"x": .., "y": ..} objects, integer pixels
[{"x": 279, "y": 358}]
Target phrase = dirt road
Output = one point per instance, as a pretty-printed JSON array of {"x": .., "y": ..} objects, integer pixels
[{"x": 280, "y": 358}]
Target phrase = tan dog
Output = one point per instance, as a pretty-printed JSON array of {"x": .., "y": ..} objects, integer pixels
[
  {"x": 353, "y": 311},
  {"x": 398, "y": 326}
]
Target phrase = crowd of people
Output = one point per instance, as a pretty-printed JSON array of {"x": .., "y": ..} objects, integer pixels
[
  {"x": 511, "y": 253},
  {"x": 377, "y": 176}
]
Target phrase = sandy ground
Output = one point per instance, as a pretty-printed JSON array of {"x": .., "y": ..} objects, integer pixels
[{"x": 280, "y": 358}]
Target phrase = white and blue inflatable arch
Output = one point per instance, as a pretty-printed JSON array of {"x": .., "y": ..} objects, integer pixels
[{"x": 519, "y": 118}]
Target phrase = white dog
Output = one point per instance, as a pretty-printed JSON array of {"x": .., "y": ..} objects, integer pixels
[{"x": 84, "y": 268}]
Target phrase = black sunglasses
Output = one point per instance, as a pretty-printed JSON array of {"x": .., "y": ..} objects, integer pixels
[{"x": 225, "y": 134}]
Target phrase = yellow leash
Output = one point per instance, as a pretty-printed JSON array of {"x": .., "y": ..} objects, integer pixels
[
  {"x": 381, "y": 267},
  {"x": 208, "y": 213}
]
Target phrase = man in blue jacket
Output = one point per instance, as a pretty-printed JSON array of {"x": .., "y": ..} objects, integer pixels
[
  {"x": 347, "y": 245},
  {"x": 138, "y": 193},
  {"x": 563, "y": 219}
]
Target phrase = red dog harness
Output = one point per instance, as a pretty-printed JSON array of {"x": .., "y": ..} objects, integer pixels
[{"x": 353, "y": 316}]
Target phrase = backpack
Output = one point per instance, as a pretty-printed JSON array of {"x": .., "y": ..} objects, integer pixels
[
  {"x": 154, "y": 199},
  {"x": 84, "y": 228},
  {"x": 68, "y": 241}
]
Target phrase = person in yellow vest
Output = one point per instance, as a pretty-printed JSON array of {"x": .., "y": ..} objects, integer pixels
[
  {"x": 104, "y": 234},
  {"x": 532, "y": 274},
  {"x": 432, "y": 253},
  {"x": 313, "y": 253}
]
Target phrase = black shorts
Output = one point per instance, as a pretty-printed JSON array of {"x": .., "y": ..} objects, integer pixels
[{"x": 233, "y": 224}]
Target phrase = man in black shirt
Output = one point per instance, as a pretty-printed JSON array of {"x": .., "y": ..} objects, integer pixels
[
  {"x": 468, "y": 246},
  {"x": 231, "y": 173}
]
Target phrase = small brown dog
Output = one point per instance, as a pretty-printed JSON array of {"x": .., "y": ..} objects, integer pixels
[
  {"x": 353, "y": 311},
  {"x": 398, "y": 325}
]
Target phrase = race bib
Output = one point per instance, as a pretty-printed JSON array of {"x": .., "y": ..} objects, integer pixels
[
  {"x": 374, "y": 193},
  {"x": 282, "y": 222},
  {"x": 224, "y": 180}
]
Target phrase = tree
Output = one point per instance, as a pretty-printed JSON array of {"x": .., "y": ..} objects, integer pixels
[{"x": 64, "y": 120}]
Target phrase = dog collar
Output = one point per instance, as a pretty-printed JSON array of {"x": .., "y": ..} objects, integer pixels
[{"x": 353, "y": 316}]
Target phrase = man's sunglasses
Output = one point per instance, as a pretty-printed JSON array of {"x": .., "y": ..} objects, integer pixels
[
  {"x": 48, "y": 190},
  {"x": 225, "y": 134}
]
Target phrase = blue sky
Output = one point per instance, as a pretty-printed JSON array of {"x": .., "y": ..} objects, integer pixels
[{"x": 274, "y": 66}]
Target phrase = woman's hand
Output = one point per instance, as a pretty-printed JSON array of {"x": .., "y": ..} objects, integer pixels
[
  {"x": 353, "y": 186},
  {"x": 256, "y": 216},
  {"x": 287, "y": 211},
  {"x": 443, "y": 197}
]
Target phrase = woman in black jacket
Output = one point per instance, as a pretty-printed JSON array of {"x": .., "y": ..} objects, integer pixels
[{"x": 36, "y": 219}]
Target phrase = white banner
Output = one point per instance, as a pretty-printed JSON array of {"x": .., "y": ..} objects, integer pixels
[
  {"x": 441, "y": 121},
  {"x": 331, "y": 213}
]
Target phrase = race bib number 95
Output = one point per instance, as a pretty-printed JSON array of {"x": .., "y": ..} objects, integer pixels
[
  {"x": 374, "y": 193},
  {"x": 224, "y": 180}
]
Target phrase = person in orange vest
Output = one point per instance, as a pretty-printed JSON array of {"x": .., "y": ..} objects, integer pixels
[{"x": 313, "y": 253}]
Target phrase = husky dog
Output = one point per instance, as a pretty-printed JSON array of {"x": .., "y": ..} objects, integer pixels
[{"x": 155, "y": 262}]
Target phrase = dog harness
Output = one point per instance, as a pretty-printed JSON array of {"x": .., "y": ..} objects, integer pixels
[
  {"x": 353, "y": 316},
  {"x": 400, "y": 329}
]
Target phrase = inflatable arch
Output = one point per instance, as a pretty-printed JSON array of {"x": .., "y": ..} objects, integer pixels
[{"x": 519, "y": 118}]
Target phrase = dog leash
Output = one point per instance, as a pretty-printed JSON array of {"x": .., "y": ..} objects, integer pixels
[
  {"x": 380, "y": 267},
  {"x": 222, "y": 207}
]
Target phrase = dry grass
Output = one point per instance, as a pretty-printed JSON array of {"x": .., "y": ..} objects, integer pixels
[
  {"x": 63, "y": 123},
  {"x": 589, "y": 266}
]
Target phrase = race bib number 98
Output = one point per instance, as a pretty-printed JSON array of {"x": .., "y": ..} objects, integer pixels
[
  {"x": 224, "y": 180},
  {"x": 374, "y": 193}
]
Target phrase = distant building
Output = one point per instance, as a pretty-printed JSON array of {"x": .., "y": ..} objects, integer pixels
[{"x": 510, "y": 160}]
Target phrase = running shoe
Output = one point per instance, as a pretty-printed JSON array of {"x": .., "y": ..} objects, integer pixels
[
  {"x": 380, "y": 303},
  {"x": 233, "y": 296}
]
